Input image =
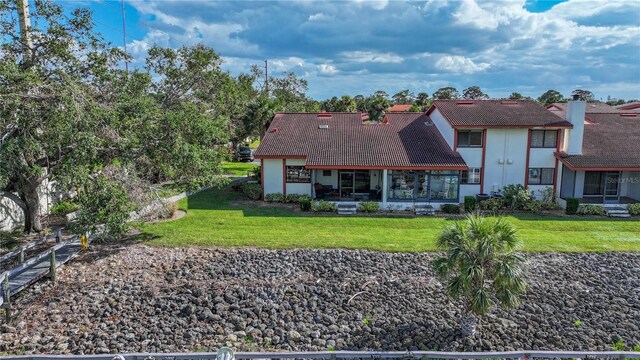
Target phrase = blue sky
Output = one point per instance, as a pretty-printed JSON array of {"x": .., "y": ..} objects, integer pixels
[{"x": 360, "y": 46}]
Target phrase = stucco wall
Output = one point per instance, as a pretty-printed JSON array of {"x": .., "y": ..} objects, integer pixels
[
  {"x": 505, "y": 161},
  {"x": 272, "y": 171},
  {"x": 443, "y": 126},
  {"x": 542, "y": 158},
  {"x": 471, "y": 156},
  {"x": 468, "y": 190}
]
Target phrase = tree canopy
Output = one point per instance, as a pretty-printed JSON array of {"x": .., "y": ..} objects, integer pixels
[
  {"x": 474, "y": 93},
  {"x": 550, "y": 96},
  {"x": 446, "y": 93}
]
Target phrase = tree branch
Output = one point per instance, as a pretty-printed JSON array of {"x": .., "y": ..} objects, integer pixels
[{"x": 15, "y": 198}]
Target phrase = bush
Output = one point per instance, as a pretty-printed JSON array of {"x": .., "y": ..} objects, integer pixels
[
  {"x": 369, "y": 206},
  {"x": 63, "y": 208},
  {"x": 587, "y": 209},
  {"x": 492, "y": 204},
  {"x": 516, "y": 197},
  {"x": 450, "y": 209},
  {"x": 252, "y": 191},
  {"x": 634, "y": 209},
  {"x": 275, "y": 197},
  {"x": 572, "y": 206},
  {"x": 533, "y": 206},
  {"x": 470, "y": 203},
  {"x": 305, "y": 203},
  {"x": 323, "y": 206},
  {"x": 294, "y": 198}
]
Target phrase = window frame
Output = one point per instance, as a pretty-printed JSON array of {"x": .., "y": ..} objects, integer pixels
[
  {"x": 298, "y": 179},
  {"x": 464, "y": 176},
  {"x": 468, "y": 144},
  {"x": 540, "y": 170},
  {"x": 544, "y": 137}
]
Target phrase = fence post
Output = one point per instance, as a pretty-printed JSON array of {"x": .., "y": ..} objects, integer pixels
[
  {"x": 21, "y": 256},
  {"x": 52, "y": 265},
  {"x": 7, "y": 299}
]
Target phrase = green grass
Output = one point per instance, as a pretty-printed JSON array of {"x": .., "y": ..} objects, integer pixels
[
  {"x": 214, "y": 219},
  {"x": 254, "y": 144},
  {"x": 237, "y": 168}
]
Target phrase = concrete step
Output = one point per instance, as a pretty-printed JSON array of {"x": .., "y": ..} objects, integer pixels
[
  {"x": 347, "y": 209},
  {"x": 347, "y": 212},
  {"x": 424, "y": 209},
  {"x": 617, "y": 212},
  {"x": 627, "y": 215}
]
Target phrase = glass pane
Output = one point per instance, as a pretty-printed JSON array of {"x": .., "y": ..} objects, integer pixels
[
  {"x": 475, "y": 138},
  {"x": 537, "y": 138},
  {"x": 362, "y": 181},
  {"x": 401, "y": 185},
  {"x": 593, "y": 183},
  {"x": 611, "y": 187},
  {"x": 475, "y": 176},
  {"x": 422, "y": 186},
  {"x": 534, "y": 176},
  {"x": 346, "y": 179},
  {"x": 464, "y": 176},
  {"x": 463, "y": 138},
  {"x": 550, "y": 138},
  {"x": 444, "y": 187},
  {"x": 547, "y": 177}
]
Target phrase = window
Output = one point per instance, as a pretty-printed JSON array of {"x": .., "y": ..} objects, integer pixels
[
  {"x": 541, "y": 176},
  {"x": 443, "y": 186},
  {"x": 470, "y": 177},
  {"x": 326, "y": 172},
  {"x": 298, "y": 174},
  {"x": 469, "y": 138},
  {"x": 544, "y": 138},
  {"x": 423, "y": 186}
]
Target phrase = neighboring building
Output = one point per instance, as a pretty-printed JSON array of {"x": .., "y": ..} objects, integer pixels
[
  {"x": 633, "y": 106},
  {"x": 399, "y": 108},
  {"x": 457, "y": 148}
]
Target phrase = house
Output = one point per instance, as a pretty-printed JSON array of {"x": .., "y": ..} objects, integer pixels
[
  {"x": 399, "y": 108},
  {"x": 457, "y": 148},
  {"x": 632, "y": 106}
]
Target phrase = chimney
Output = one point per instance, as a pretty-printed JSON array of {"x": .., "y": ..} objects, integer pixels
[{"x": 575, "y": 115}]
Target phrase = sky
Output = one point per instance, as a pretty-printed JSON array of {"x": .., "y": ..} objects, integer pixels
[{"x": 359, "y": 46}]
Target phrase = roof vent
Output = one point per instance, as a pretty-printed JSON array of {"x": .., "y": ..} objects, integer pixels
[
  {"x": 274, "y": 130},
  {"x": 323, "y": 126},
  {"x": 364, "y": 117},
  {"x": 324, "y": 115},
  {"x": 465, "y": 102},
  {"x": 427, "y": 123},
  {"x": 628, "y": 115}
]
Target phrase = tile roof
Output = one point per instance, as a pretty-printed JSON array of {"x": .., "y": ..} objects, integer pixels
[
  {"x": 611, "y": 142},
  {"x": 629, "y": 106},
  {"x": 497, "y": 113},
  {"x": 399, "y": 108},
  {"x": 591, "y": 108},
  {"x": 408, "y": 140}
]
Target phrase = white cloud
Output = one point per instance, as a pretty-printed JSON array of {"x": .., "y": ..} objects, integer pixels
[
  {"x": 319, "y": 17},
  {"x": 460, "y": 64},
  {"x": 374, "y": 4},
  {"x": 371, "y": 57},
  {"x": 327, "y": 69}
]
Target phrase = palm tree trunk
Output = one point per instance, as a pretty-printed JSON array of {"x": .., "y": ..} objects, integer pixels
[{"x": 468, "y": 323}]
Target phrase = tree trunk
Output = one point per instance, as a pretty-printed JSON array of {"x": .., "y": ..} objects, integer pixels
[
  {"x": 31, "y": 199},
  {"x": 468, "y": 323}
]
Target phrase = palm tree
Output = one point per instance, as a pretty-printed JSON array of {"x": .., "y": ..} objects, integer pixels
[{"x": 480, "y": 265}]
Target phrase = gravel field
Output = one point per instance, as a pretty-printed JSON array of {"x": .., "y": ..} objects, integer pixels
[{"x": 134, "y": 298}]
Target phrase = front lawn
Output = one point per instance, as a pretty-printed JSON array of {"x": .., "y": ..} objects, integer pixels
[
  {"x": 237, "y": 168},
  {"x": 215, "y": 218}
]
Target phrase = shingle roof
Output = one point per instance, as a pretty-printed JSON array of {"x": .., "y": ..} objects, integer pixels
[
  {"x": 497, "y": 113},
  {"x": 399, "y": 108},
  {"x": 611, "y": 142},
  {"x": 408, "y": 140},
  {"x": 591, "y": 108}
]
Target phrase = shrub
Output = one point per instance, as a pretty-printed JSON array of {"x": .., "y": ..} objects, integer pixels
[
  {"x": 252, "y": 191},
  {"x": 587, "y": 209},
  {"x": 275, "y": 197},
  {"x": 305, "y": 203},
  {"x": 294, "y": 198},
  {"x": 63, "y": 208},
  {"x": 515, "y": 196},
  {"x": 369, "y": 206},
  {"x": 634, "y": 209},
  {"x": 572, "y": 206},
  {"x": 547, "y": 194},
  {"x": 549, "y": 205},
  {"x": 450, "y": 209},
  {"x": 470, "y": 203},
  {"x": 533, "y": 206},
  {"x": 492, "y": 204},
  {"x": 323, "y": 206}
]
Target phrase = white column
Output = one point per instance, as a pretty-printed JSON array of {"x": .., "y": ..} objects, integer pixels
[{"x": 384, "y": 188}]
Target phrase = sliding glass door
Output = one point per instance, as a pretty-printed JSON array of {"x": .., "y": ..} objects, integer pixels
[
  {"x": 425, "y": 186},
  {"x": 354, "y": 183}
]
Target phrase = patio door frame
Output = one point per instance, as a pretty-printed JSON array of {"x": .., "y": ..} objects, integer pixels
[
  {"x": 353, "y": 183},
  {"x": 611, "y": 193}
]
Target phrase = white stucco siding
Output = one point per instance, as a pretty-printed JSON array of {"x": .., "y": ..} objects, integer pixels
[
  {"x": 298, "y": 188},
  {"x": 468, "y": 190},
  {"x": 472, "y": 156},
  {"x": 505, "y": 159},
  {"x": 542, "y": 158},
  {"x": 272, "y": 172},
  {"x": 295, "y": 162},
  {"x": 443, "y": 126}
]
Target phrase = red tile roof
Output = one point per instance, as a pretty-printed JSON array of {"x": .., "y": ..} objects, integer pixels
[
  {"x": 629, "y": 106},
  {"x": 497, "y": 113},
  {"x": 611, "y": 142},
  {"x": 399, "y": 108},
  {"x": 408, "y": 140},
  {"x": 591, "y": 108}
]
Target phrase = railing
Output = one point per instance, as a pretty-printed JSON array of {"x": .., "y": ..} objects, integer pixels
[{"x": 227, "y": 354}]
